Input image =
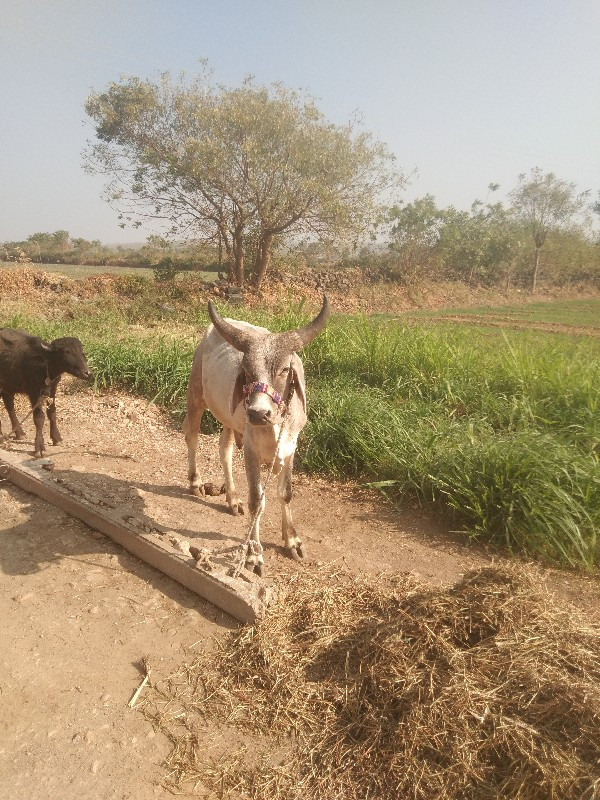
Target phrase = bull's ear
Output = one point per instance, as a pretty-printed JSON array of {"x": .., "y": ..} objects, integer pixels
[
  {"x": 298, "y": 378},
  {"x": 238, "y": 391}
]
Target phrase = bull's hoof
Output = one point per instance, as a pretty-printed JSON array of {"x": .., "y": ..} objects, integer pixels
[
  {"x": 258, "y": 570},
  {"x": 57, "y": 441},
  {"x": 19, "y": 435},
  {"x": 38, "y": 454},
  {"x": 197, "y": 491},
  {"x": 296, "y": 552},
  {"x": 236, "y": 508}
]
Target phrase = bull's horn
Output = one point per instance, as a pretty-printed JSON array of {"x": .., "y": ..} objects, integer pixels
[
  {"x": 314, "y": 328},
  {"x": 234, "y": 336}
]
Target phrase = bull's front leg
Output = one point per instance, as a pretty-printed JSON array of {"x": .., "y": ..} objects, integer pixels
[
  {"x": 39, "y": 419},
  {"x": 256, "y": 506},
  {"x": 9, "y": 404},
  {"x": 291, "y": 541},
  {"x": 226, "y": 442}
]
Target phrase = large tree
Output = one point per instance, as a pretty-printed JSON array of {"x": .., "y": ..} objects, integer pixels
[
  {"x": 544, "y": 203},
  {"x": 244, "y": 168}
]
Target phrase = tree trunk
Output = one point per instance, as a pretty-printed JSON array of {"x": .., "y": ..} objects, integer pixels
[
  {"x": 536, "y": 262},
  {"x": 263, "y": 258},
  {"x": 238, "y": 257},
  {"x": 471, "y": 273}
]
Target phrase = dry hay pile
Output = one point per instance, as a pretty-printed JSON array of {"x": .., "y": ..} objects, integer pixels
[
  {"x": 391, "y": 689},
  {"x": 25, "y": 281}
]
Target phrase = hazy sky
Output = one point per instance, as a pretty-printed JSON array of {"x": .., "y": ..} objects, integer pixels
[{"x": 465, "y": 92}]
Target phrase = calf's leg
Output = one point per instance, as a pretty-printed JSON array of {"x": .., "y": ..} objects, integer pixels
[
  {"x": 39, "y": 419},
  {"x": 9, "y": 403},
  {"x": 51, "y": 414}
]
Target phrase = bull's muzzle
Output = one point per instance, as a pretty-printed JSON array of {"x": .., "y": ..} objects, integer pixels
[{"x": 258, "y": 416}]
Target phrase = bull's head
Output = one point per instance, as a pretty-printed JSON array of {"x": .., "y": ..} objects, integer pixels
[{"x": 270, "y": 366}]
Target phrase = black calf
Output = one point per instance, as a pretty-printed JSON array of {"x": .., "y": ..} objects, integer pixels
[{"x": 30, "y": 366}]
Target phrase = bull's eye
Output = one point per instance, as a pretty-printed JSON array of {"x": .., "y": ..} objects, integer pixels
[{"x": 284, "y": 371}]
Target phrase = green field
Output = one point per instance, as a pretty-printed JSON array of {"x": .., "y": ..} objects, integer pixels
[
  {"x": 84, "y": 271},
  {"x": 499, "y": 433},
  {"x": 576, "y": 313}
]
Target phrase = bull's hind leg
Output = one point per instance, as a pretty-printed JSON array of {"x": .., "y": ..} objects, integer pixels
[
  {"x": 191, "y": 426},
  {"x": 291, "y": 541},
  {"x": 226, "y": 442}
]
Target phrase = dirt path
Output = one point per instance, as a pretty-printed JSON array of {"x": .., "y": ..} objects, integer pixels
[{"x": 78, "y": 612}]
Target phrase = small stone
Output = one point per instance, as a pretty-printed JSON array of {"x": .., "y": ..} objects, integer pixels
[
  {"x": 22, "y": 598},
  {"x": 95, "y": 766}
]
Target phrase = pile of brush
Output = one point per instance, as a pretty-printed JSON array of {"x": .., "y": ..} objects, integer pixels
[{"x": 391, "y": 689}]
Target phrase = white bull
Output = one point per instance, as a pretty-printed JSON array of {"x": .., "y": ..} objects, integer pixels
[{"x": 252, "y": 381}]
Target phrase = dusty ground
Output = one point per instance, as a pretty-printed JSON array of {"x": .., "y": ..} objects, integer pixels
[{"x": 78, "y": 612}]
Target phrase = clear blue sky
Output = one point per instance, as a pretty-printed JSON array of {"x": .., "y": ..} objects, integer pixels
[{"x": 466, "y": 92}]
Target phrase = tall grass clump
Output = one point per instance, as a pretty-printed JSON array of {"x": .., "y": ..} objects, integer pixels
[
  {"x": 501, "y": 432},
  {"x": 157, "y": 369},
  {"x": 525, "y": 490}
]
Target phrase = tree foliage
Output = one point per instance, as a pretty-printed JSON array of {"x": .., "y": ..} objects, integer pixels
[
  {"x": 471, "y": 246},
  {"x": 490, "y": 244},
  {"x": 243, "y": 168}
]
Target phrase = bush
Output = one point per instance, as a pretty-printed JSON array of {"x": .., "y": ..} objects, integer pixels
[{"x": 165, "y": 270}]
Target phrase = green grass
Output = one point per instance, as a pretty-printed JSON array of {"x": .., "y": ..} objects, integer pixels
[{"x": 499, "y": 432}]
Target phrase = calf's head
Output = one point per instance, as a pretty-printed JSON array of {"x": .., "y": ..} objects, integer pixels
[
  {"x": 269, "y": 364},
  {"x": 66, "y": 355}
]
